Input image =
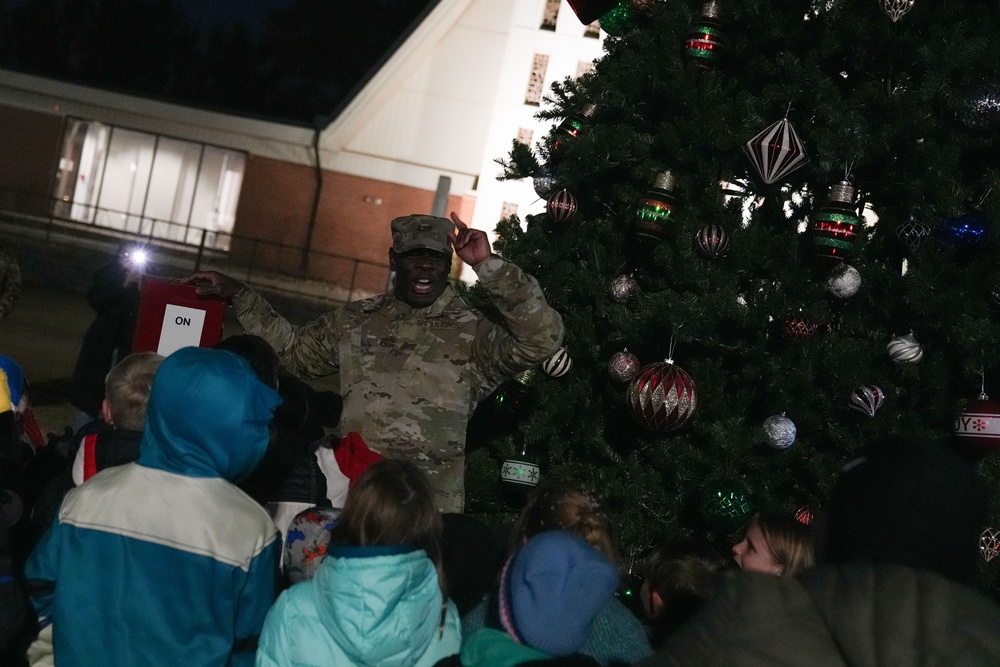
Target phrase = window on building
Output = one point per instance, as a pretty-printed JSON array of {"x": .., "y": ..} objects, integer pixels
[
  {"x": 536, "y": 81},
  {"x": 584, "y": 67},
  {"x": 524, "y": 135},
  {"x": 507, "y": 210},
  {"x": 550, "y": 15},
  {"x": 593, "y": 30},
  {"x": 148, "y": 184}
]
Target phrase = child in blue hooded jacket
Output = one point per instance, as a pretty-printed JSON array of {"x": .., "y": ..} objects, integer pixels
[
  {"x": 377, "y": 598},
  {"x": 165, "y": 561}
]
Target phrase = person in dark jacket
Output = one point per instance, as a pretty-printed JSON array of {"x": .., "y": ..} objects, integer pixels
[
  {"x": 114, "y": 295},
  {"x": 892, "y": 588}
]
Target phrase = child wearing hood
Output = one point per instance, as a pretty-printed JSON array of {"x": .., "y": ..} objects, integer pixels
[{"x": 165, "y": 561}]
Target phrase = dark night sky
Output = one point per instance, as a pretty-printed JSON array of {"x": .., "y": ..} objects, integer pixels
[{"x": 287, "y": 60}]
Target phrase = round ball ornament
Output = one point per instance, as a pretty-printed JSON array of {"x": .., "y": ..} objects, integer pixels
[
  {"x": 968, "y": 230},
  {"x": 712, "y": 240},
  {"x": 623, "y": 366},
  {"x": 866, "y": 399},
  {"x": 561, "y": 206},
  {"x": 544, "y": 183},
  {"x": 977, "y": 427},
  {"x": 843, "y": 282},
  {"x": 727, "y": 505},
  {"x": 780, "y": 431},
  {"x": 662, "y": 396},
  {"x": 905, "y": 349},
  {"x": 558, "y": 364},
  {"x": 622, "y": 288}
]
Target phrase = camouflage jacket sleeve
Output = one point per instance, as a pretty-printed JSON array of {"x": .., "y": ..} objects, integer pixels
[
  {"x": 531, "y": 330},
  {"x": 308, "y": 351},
  {"x": 10, "y": 282}
]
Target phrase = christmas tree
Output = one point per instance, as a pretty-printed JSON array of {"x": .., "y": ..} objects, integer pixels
[{"x": 790, "y": 206}]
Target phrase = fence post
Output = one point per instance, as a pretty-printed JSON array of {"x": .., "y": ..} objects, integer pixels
[{"x": 201, "y": 252}]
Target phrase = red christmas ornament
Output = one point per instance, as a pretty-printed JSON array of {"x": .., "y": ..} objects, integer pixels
[
  {"x": 797, "y": 327},
  {"x": 977, "y": 427},
  {"x": 713, "y": 242},
  {"x": 662, "y": 397},
  {"x": 804, "y": 515},
  {"x": 561, "y": 206}
]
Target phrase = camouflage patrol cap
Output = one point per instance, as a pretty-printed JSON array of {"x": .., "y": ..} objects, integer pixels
[{"x": 421, "y": 231}]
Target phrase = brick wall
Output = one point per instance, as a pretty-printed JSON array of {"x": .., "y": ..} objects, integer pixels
[
  {"x": 29, "y": 155},
  {"x": 352, "y": 222}
]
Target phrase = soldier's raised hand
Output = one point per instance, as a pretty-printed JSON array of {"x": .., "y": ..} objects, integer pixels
[{"x": 471, "y": 245}]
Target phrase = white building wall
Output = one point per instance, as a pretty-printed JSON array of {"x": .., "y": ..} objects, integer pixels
[{"x": 566, "y": 47}]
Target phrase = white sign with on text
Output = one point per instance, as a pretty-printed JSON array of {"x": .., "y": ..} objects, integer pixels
[{"x": 182, "y": 327}]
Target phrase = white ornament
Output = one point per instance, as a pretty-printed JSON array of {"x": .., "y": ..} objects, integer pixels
[
  {"x": 989, "y": 544},
  {"x": 867, "y": 399},
  {"x": 844, "y": 282},
  {"x": 558, "y": 364},
  {"x": 776, "y": 152},
  {"x": 896, "y": 9},
  {"x": 905, "y": 349},
  {"x": 780, "y": 431}
]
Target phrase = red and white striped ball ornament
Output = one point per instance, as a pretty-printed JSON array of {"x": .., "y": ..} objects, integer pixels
[
  {"x": 561, "y": 206},
  {"x": 977, "y": 426},
  {"x": 558, "y": 364},
  {"x": 867, "y": 399},
  {"x": 712, "y": 240},
  {"x": 662, "y": 396}
]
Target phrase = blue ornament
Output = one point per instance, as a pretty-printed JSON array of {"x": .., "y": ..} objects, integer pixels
[{"x": 968, "y": 230}]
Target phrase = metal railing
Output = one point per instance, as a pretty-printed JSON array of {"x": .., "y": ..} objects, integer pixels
[{"x": 179, "y": 249}]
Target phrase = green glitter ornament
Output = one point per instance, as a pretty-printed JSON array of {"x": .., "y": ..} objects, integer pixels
[
  {"x": 727, "y": 506},
  {"x": 657, "y": 208},
  {"x": 618, "y": 21},
  {"x": 705, "y": 43}
]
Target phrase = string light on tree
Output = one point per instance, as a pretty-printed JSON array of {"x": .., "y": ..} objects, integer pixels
[{"x": 727, "y": 505}]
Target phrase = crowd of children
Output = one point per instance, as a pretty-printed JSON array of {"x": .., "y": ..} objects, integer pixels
[{"x": 207, "y": 519}]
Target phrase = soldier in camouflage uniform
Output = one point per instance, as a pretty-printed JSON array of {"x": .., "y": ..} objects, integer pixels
[
  {"x": 10, "y": 281},
  {"x": 414, "y": 363}
]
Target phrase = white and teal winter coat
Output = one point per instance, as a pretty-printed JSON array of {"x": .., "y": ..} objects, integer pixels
[
  {"x": 365, "y": 606},
  {"x": 164, "y": 561}
]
